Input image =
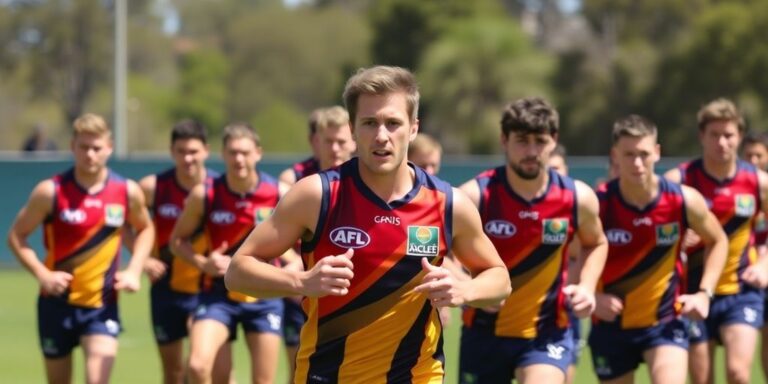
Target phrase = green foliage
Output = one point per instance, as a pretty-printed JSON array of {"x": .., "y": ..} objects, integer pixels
[
  {"x": 202, "y": 93},
  {"x": 282, "y": 128},
  {"x": 471, "y": 73}
]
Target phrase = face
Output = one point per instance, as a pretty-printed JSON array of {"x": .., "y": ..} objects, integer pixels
[
  {"x": 189, "y": 155},
  {"x": 720, "y": 141},
  {"x": 528, "y": 153},
  {"x": 241, "y": 156},
  {"x": 757, "y": 154},
  {"x": 635, "y": 157},
  {"x": 334, "y": 145},
  {"x": 430, "y": 161},
  {"x": 382, "y": 131},
  {"x": 557, "y": 163},
  {"x": 91, "y": 152}
]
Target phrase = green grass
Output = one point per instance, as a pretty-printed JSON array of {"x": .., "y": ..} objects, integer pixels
[{"x": 137, "y": 361}]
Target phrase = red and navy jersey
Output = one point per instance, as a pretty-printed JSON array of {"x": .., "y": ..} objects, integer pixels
[
  {"x": 736, "y": 203},
  {"x": 230, "y": 217},
  {"x": 532, "y": 238},
  {"x": 166, "y": 207},
  {"x": 308, "y": 166},
  {"x": 381, "y": 331},
  {"x": 644, "y": 267},
  {"x": 83, "y": 235}
]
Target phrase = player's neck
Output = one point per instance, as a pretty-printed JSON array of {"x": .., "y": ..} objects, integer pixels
[
  {"x": 243, "y": 185},
  {"x": 189, "y": 181},
  {"x": 91, "y": 181},
  {"x": 720, "y": 170},
  {"x": 388, "y": 186},
  {"x": 528, "y": 189},
  {"x": 639, "y": 194}
]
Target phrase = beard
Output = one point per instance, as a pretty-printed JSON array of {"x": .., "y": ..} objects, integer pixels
[{"x": 527, "y": 174}]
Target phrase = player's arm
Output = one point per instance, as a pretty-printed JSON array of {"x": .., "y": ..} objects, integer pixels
[
  {"x": 186, "y": 225},
  {"x": 757, "y": 273},
  {"x": 490, "y": 283},
  {"x": 294, "y": 217},
  {"x": 143, "y": 229},
  {"x": 288, "y": 176},
  {"x": 708, "y": 229},
  {"x": 453, "y": 265},
  {"x": 153, "y": 267},
  {"x": 594, "y": 251},
  {"x": 31, "y": 215}
]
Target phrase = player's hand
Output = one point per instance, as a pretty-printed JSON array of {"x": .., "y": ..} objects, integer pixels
[
  {"x": 127, "y": 281},
  {"x": 154, "y": 268},
  {"x": 690, "y": 239},
  {"x": 756, "y": 275},
  {"x": 330, "y": 276},
  {"x": 607, "y": 306},
  {"x": 694, "y": 306},
  {"x": 581, "y": 300},
  {"x": 217, "y": 262},
  {"x": 442, "y": 289},
  {"x": 55, "y": 282}
]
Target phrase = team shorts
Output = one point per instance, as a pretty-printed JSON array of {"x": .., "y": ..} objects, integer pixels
[
  {"x": 487, "y": 358},
  {"x": 60, "y": 325},
  {"x": 616, "y": 351},
  {"x": 262, "y": 316},
  {"x": 746, "y": 307},
  {"x": 171, "y": 312},
  {"x": 293, "y": 320}
]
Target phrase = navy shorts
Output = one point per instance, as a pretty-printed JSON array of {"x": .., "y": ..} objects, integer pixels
[
  {"x": 262, "y": 316},
  {"x": 742, "y": 308},
  {"x": 61, "y": 325},
  {"x": 487, "y": 358},
  {"x": 293, "y": 320},
  {"x": 170, "y": 313},
  {"x": 616, "y": 351}
]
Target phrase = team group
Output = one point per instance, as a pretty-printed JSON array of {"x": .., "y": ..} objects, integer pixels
[{"x": 352, "y": 257}]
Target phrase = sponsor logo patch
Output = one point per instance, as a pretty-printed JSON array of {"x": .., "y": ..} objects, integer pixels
[
  {"x": 349, "y": 237},
  {"x": 114, "y": 215},
  {"x": 667, "y": 234},
  {"x": 618, "y": 236},
  {"x": 745, "y": 205},
  {"x": 500, "y": 228},
  {"x": 555, "y": 231},
  {"x": 262, "y": 214},
  {"x": 73, "y": 216},
  {"x": 423, "y": 240}
]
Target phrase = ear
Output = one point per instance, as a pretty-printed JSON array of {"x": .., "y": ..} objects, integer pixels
[{"x": 414, "y": 130}]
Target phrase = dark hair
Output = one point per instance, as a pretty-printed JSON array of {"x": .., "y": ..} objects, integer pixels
[
  {"x": 633, "y": 126},
  {"x": 559, "y": 151},
  {"x": 755, "y": 138},
  {"x": 189, "y": 129},
  {"x": 530, "y": 115}
]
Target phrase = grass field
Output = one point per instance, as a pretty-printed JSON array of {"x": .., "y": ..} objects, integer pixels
[{"x": 137, "y": 361}]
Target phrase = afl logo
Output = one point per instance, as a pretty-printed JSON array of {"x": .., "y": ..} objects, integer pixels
[
  {"x": 170, "y": 211},
  {"x": 349, "y": 237},
  {"x": 73, "y": 216},
  {"x": 222, "y": 217},
  {"x": 500, "y": 228},
  {"x": 618, "y": 236}
]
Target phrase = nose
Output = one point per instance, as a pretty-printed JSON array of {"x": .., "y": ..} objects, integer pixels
[{"x": 382, "y": 134}]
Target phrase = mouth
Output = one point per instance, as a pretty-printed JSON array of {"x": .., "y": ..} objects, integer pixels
[{"x": 382, "y": 153}]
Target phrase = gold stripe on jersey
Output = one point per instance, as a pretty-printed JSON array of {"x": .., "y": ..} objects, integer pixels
[
  {"x": 641, "y": 303},
  {"x": 186, "y": 277},
  {"x": 520, "y": 313},
  {"x": 88, "y": 276},
  {"x": 738, "y": 241},
  {"x": 308, "y": 337}
]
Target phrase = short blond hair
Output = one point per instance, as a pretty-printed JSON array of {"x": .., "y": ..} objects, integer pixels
[
  {"x": 240, "y": 130},
  {"x": 424, "y": 144},
  {"x": 380, "y": 80},
  {"x": 324, "y": 118},
  {"x": 90, "y": 123},
  {"x": 720, "y": 109}
]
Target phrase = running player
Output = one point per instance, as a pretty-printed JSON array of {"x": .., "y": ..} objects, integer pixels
[
  {"x": 228, "y": 210},
  {"x": 754, "y": 149},
  {"x": 735, "y": 191},
  {"x": 426, "y": 153},
  {"x": 374, "y": 232},
  {"x": 639, "y": 302},
  {"x": 531, "y": 213},
  {"x": 558, "y": 163},
  {"x": 175, "y": 282},
  {"x": 82, "y": 212},
  {"x": 332, "y": 143}
]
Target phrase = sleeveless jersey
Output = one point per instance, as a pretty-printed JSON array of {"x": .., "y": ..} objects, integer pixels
[
  {"x": 735, "y": 202},
  {"x": 83, "y": 236},
  {"x": 644, "y": 267},
  {"x": 230, "y": 217},
  {"x": 168, "y": 204},
  {"x": 308, "y": 166},
  {"x": 532, "y": 238},
  {"x": 381, "y": 331}
]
